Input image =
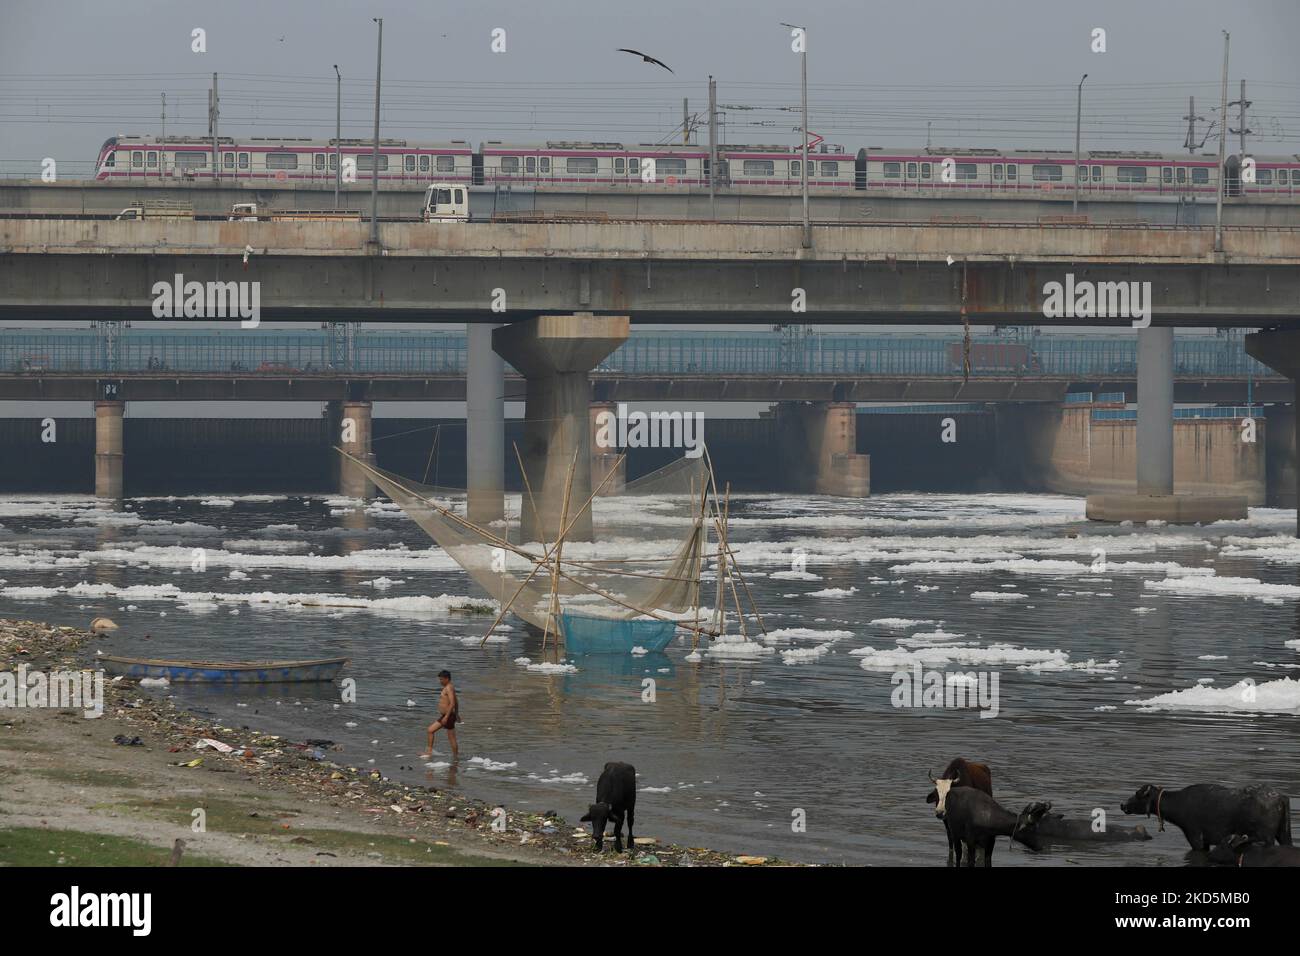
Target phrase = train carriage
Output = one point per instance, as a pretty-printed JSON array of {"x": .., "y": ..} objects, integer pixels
[
  {"x": 829, "y": 167},
  {"x": 566, "y": 163}
]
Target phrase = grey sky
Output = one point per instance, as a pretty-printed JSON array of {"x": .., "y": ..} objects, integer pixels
[{"x": 985, "y": 73}]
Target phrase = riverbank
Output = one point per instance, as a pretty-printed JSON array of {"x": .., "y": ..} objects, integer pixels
[{"x": 74, "y": 796}]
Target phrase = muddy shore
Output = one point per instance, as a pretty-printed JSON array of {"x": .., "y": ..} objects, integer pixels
[{"x": 73, "y": 796}]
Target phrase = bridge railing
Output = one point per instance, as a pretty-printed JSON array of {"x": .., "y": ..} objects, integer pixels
[{"x": 330, "y": 351}]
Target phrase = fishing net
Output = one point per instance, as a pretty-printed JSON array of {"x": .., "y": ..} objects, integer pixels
[{"x": 645, "y": 558}]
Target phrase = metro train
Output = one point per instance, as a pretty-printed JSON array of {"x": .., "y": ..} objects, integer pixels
[{"x": 562, "y": 166}]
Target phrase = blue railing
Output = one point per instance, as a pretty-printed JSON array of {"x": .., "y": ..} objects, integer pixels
[
  {"x": 646, "y": 353},
  {"x": 1128, "y": 414}
]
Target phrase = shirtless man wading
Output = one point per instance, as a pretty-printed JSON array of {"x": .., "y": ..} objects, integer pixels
[{"x": 448, "y": 715}]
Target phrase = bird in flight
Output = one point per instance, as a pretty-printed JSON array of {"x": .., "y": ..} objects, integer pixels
[{"x": 648, "y": 59}]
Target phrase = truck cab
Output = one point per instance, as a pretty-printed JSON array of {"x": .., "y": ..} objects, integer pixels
[
  {"x": 243, "y": 212},
  {"x": 446, "y": 202}
]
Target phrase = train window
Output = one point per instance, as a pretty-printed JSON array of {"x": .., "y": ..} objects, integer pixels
[
  {"x": 285, "y": 160},
  {"x": 911, "y": 170},
  {"x": 318, "y": 160},
  {"x": 1046, "y": 173},
  {"x": 243, "y": 160},
  {"x": 997, "y": 170},
  {"x": 1131, "y": 174},
  {"x": 530, "y": 164},
  {"x": 1011, "y": 170},
  {"x": 926, "y": 170},
  {"x": 1282, "y": 176},
  {"x": 137, "y": 159},
  {"x": 830, "y": 170},
  {"x": 424, "y": 164},
  {"x": 111, "y": 159},
  {"x": 1200, "y": 175},
  {"x": 227, "y": 160},
  {"x": 151, "y": 160},
  {"x": 191, "y": 159},
  {"x": 365, "y": 161},
  {"x": 546, "y": 164},
  {"x": 893, "y": 170},
  {"x": 796, "y": 168},
  {"x": 634, "y": 166},
  {"x": 446, "y": 164},
  {"x": 1264, "y": 177},
  {"x": 1182, "y": 174},
  {"x": 1096, "y": 174},
  {"x": 759, "y": 167},
  {"x": 1081, "y": 174},
  {"x": 666, "y": 166},
  {"x": 1167, "y": 174},
  {"x": 967, "y": 171},
  {"x": 334, "y": 161},
  {"x": 409, "y": 162},
  {"x": 620, "y": 165},
  {"x": 582, "y": 165}
]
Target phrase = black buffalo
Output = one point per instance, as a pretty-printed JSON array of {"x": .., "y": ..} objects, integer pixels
[
  {"x": 615, "y": 795},
  {"x": 1038, "y": 827},
  {"x": 1240, "y": 850},
  {"x": 1208, "y": 814}
]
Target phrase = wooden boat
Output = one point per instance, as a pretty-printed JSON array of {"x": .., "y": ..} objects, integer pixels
[
  {"x": 587, "y": 634},
  {"x": 236, "y": 672}
]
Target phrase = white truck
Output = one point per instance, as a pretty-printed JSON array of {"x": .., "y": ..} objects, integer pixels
[
  {"x": 248, "y": 212},
  {"x": 157, "y": 209},
  {"x": 446, "y": 202}
]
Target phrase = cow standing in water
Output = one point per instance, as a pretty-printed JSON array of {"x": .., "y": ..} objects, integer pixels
[
  {"x": 959, "y": 773},
  {"x": 615, "y": 796}
]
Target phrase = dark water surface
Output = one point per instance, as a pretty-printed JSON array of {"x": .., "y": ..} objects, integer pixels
[{"x": 730, "y": 749}]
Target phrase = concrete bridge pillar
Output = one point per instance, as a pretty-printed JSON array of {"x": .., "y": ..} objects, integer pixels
[
  {"x": 485, "y": 425},
  {"x": 1155, "y": 498},
  {"x": 606, "y": 459},
  {"x": 354, "y": 433},
  {"x": 1279, "y": 349},
  {"x": 555, "y": 353},
  {"x": 109, "y": 449},
  {"x": 818, "y": 445}
]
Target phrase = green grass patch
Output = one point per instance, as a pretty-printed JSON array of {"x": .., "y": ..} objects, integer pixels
[
  {"x": 226, "y": 816},
  {"x": 89, "y": 778},
  {"x": 35, "y": 846}
]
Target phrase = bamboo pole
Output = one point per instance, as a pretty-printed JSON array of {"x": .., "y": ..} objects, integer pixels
[{"x": 553, "y": 613}]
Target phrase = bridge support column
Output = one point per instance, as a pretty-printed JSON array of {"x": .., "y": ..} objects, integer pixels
[
  {"x": 606, "y": 459},
  {"x": 818, "y": 445},
  {"x": 1279, "y": 349},
  {"x": 109, "y": 449},
  {"x": 354, "y": 438},
  {"x": 554, "y": 353},
  {"x": 1155, "y": 499},
  {"x": 485, "y": 427}
]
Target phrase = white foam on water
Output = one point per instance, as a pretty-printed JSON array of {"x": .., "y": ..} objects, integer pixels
[
  {"x": 1214, "y": 586},
  {"x": 800, "y": 655},
  {"x": 833, "y": 592},
  {"x": 488, "y": 764},
  {"x": 899, "y": 623},
  {"x": 998, "y": 596},
  {"x": 1280, "y": 696},
  {"x": 900, "y": 658},
  {"x": 785, "y": 634}
]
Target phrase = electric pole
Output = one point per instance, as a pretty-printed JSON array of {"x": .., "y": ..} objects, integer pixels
[
  {"x": 1241, "y": 105},
  {"x": 374, "y": 153},
  {"x": 713, "y": 147},
  {"x": 1191, "y": 118},
  {"x": 214, "y": 113},
  {"x": 1223, "y": 145}
]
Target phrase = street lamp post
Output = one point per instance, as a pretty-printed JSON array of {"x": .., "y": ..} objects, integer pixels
[
  {"x": 1078, "y": 124},
  {"x": 374, "y": 153},
  {"x": 803, "y": 166},
  {"x": 338, "y": 132}
]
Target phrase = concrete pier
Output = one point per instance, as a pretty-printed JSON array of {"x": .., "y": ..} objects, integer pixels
[
  {"x": 605, "y": 460},
  {"x": 1155, "y": 499},
  {"x": 355, "y": 429},
  {"x": 109, "y": 449},
  {"x": 485, "y": 426},
  {"x": 554, "y": 353},
  {"x": 1279, "y": 349},
  {"x": 818, "y": 444}
]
